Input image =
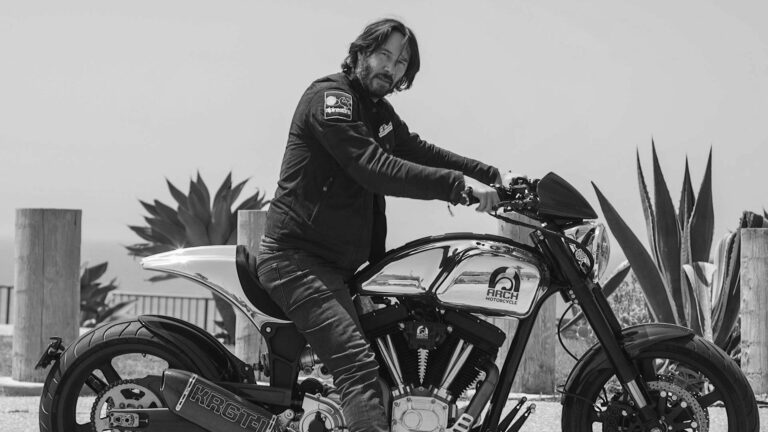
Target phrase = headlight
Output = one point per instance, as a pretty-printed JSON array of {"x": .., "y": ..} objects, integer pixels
[{"x": 594, "y": 237}]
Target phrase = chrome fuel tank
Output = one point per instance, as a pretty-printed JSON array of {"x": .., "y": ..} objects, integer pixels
[{"x": 479, "y": 273}]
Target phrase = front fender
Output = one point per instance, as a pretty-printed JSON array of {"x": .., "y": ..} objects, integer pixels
[
  {"x": 214, "y": 361},
  {"x": 636, "y": 339}
]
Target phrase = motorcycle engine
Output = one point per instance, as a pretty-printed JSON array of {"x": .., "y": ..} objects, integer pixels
[{"x": 429, "y": 359}]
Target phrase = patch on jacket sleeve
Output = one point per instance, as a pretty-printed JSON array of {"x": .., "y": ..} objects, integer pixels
[{"x": 338, "y": 105}]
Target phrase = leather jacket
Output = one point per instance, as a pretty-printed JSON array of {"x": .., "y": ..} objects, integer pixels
[{"x": 344, "y": 153}]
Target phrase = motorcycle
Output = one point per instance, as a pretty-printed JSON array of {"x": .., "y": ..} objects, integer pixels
[{"x": 424, "y": 309}]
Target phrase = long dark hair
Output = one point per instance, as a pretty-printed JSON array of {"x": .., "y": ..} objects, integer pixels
[{"x": 374, "y": 36}]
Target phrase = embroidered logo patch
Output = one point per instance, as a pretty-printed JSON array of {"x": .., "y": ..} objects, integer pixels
[
  {"x": 338, "y": 105},
  {"x": 385, "y": 129}
]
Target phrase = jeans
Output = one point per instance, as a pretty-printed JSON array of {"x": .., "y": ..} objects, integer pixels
[{"x": 314, "y": 295}]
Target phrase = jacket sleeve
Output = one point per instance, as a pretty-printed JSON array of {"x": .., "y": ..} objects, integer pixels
[
  {"x": 411, "y": 147},
  {"x": 351, "y": 144}
]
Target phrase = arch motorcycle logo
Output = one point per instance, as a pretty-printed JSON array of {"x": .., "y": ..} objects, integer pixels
[
  {"x": 503, "y": 286},
  {"x": 338, "y": 105}
]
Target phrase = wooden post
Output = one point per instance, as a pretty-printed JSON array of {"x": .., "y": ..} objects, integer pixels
[
  {"x": 537, "y": 368},
  {"x": 47, "y": 285},
  {"x": 754, "y": 307},
  {"x": 249, "y": 344}
]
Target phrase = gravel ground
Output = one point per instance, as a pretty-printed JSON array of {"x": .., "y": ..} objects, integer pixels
[{"x": 19, "y": 414}]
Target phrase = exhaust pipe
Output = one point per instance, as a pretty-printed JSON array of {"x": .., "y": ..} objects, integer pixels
[{"x": 206, "y": 404}]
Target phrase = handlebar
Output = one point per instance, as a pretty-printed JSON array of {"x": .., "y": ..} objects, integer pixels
[{"x": 519, "y": 196}]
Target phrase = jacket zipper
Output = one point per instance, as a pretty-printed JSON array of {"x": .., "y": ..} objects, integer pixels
[{"x": 322, "y": 198}]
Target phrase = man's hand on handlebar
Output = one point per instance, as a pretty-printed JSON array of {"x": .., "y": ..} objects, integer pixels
[{"x": 484, "y": 195}]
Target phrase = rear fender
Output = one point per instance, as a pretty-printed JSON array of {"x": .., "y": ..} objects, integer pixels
[
  {"x": 636, "y": 339},
  {"x": 210, "y": 357}
]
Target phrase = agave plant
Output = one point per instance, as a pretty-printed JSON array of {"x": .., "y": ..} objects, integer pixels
[
  {"x": 94, "y": 308},
  {"x": 196, "y": 221},
  {"x": 681, "y": 286}
]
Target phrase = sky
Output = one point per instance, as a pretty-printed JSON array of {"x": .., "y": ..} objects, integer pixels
[{"x": 101, "y": 102}]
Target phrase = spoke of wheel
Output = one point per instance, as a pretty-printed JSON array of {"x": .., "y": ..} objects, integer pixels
[
  {"x": 109, "y": 372},
  {"x": 709, "y": 398},
  {"x": 95, "y": 383}
]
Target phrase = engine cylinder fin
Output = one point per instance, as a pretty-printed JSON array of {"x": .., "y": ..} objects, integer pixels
[
  {"x": 409, "y": 360},
  {"x": 439, "y": 362},
  {"x": 468, "y": 374}
]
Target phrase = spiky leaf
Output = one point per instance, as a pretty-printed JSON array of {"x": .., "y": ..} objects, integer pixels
[
  {"x": 143, "y": 232},
  {"x": 196, "y": 232},
  {"x": 726, "y": 297},
  {"x": 667, "y": 237},
  {"x": 167, "y": 232},
  {"x": 254, "y": 202},
  {"x": 703, "y": 218},
  {"x": 687, "y": 199},
  {"x": 149, "y": 208},
  {"x": 645, "y": 200},
  {"x": 236, "y": 190},
  {"x": 166, "y": 212},
  {"x": 91, "y": 274},
  {"x": 221, "y": 222},
  {"x": 699, "y": 276},
  {"x": 224, "y": 190},
  {"x": 199, "y": 206},
  {"x": 204, "y": 191},
  {"x": 659, "y": 299},
  {"x": 178, "y": 195}
]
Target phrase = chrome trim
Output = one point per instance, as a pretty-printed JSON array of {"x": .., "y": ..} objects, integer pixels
[
  {"x": 390, "y": 362},
  {"x": 454, "y": 368},
  {"x": 393, "y": 355}
]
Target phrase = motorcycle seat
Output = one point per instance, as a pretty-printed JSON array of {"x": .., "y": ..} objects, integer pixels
[{"x": 254, "y": 291}]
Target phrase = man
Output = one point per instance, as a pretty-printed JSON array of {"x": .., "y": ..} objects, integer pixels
[{"x": 347, "y": 148}]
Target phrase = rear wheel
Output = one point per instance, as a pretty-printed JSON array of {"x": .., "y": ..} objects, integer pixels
[
  {"x": 693, "y": 385},
  {"x": 113, "y": 365}
]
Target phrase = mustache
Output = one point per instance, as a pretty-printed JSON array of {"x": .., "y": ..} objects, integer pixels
[{"x": 385, "y": 77}]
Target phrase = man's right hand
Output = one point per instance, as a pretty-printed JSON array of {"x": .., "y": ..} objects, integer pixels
[{"x": 486, "y": 195}]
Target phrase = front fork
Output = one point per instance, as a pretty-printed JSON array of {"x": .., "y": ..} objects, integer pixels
[{"x": 590, "y": 298}]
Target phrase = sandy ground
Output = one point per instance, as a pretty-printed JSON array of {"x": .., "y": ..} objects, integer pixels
[{"x": 19, "y": 414}]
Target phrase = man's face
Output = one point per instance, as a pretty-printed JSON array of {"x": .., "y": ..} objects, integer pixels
[{"x": 380, "y": 70}]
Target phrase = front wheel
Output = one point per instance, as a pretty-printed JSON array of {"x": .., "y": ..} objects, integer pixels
[{"x": 693, "y": 386}]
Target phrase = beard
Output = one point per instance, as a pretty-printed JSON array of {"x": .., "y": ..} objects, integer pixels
[{"x": 377, "y": 84}]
